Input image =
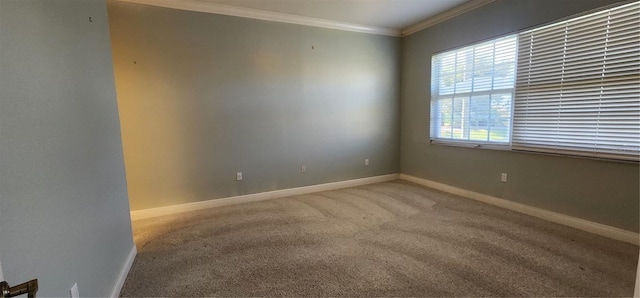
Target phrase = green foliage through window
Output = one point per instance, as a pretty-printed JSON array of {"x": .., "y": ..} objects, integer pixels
[{"x": 472, "y": 92}]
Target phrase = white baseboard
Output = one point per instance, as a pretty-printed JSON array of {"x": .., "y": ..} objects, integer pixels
[
  {"x": 122, "y": 277},
  {"x": 574, "y": 222},
  {"x": 636, "y": 292},
  {"x": 155, "y": 212}
]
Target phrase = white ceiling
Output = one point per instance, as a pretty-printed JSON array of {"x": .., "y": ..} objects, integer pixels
[
  {"x": 392, "y": 14},
  {"x": 386, "y": 17}
]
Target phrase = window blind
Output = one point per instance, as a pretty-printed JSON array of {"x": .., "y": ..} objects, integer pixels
[
  {"x": 472, "y": 92},
  {"x": 578, "y": 86}
]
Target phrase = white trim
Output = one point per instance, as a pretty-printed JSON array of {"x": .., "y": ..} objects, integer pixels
[
  {"x": 160, "y": 211},
  {"x": 636, "y": 292},
  {"x": 574, "y": 222},
  {"x": 1, "y": 274},
  {"x": 210, "y": 7},
  {"x": 441, "y": 17},
  {"x": 122, "y": 277}
]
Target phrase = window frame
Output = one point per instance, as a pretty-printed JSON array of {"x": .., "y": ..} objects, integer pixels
[
  {"x": 508, "y": 146},
  {"x": 434, "y": 97},
  {"x": 591, "y": 106}
]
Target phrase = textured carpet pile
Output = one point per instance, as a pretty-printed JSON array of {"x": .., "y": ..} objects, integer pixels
[{"x": 385, "y": 239}]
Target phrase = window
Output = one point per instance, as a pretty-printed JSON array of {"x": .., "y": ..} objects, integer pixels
[
  {"x": 472, "y": 92},
  {"x": 578, "y": 86},
  {"x": 576, "y": 90}
]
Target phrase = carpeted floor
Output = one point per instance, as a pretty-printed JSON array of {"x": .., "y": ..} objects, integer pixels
[{"x": 386, "y": 239}]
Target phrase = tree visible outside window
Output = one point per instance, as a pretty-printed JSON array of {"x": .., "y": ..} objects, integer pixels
[
  {"x": 571, "y": 87},
  {"x": 472, "y": 92}
]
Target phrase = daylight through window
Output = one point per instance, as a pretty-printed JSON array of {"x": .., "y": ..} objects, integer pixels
[
  {"x": 472, "y": 92},
  {"x": 578, "y": 86},
  {"x": 575, "y": 90}
]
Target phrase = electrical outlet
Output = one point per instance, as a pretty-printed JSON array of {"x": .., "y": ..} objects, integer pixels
[
  {"x": 303, "y": 169},
  {"x": 503, "y": 177},
  {"x": 239, "y": 176},
  {"x": 366, "y": 162},
  {"x": 73, "y": 292}
]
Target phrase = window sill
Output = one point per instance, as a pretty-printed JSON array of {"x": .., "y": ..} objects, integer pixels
[
  {"x": 507, "y": 147},
  {"x": 503, "y": 147}
]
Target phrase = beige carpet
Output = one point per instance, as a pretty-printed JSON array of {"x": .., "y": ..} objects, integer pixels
[{"x": 386, "y": 239}]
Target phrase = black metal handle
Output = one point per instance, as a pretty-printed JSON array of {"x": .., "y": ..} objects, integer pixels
[{"x": 30, "y": 288}]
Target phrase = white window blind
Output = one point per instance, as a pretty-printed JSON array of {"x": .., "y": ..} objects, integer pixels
[
  {"x": 578, "y": 86},
  {"x": 472, "y": 93}
]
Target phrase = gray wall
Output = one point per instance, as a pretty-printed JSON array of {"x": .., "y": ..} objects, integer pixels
[
  {"x": 599, "y": 191},
  {"x": 64, "y": 214},
  {"x": 203, "y": 96}
]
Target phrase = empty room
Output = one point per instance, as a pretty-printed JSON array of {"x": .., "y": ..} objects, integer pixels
[{"x": 406, "y": 148}]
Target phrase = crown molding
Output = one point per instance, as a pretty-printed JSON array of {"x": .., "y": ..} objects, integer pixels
[
  {"x": 210, "y": 7},
  {"x": 441, "y": 17}
]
